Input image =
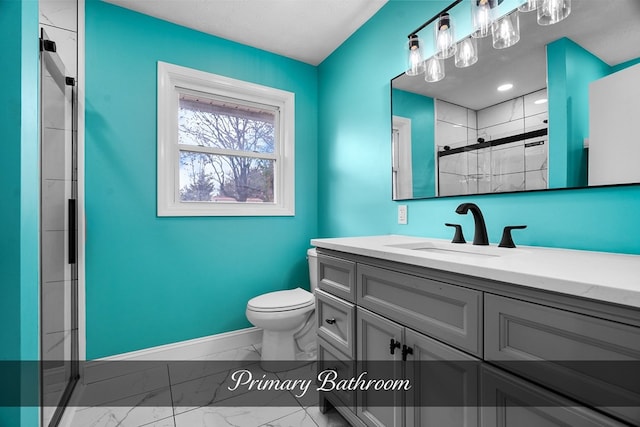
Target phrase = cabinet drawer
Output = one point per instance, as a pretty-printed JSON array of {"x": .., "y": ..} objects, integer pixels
[
  {"x": 593, "y": 360},
  {"x": 337, "y": 276},
  {"x": 330, "y": 358},
  {"x": 336, "y": 322},
  {"x": 447, "y": 312},
  {"x": 508, "y": 401}
]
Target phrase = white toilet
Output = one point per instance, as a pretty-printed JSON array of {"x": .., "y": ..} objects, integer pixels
[{"x": 287, "y": 319}]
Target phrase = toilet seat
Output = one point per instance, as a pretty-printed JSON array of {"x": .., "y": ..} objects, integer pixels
[{"x": 293, "y": 299}]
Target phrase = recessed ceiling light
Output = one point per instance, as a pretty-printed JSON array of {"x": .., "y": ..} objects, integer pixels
[
  {"x": 505, "y": 87},
  {"x": 540, "y": 101}
]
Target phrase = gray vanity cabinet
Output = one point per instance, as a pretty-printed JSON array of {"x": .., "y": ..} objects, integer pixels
[
  {"x": 568, "y": 352},
  {"x": 375, "y": 333},
  {"x": 508, "y": 401},
  {"x": 445, "y": 384},
  {"x": 443, "y": 380},
  {"x": 476, "y": 352}
]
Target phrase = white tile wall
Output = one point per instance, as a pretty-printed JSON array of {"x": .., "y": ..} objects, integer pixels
[
  {"x": 499, "y": 168},
  {"x": 57, "y": 294},
  {"x": 501, "y": 113},
  {"x": 451, "y": 113},
  {"x": 530, "y": 107},
  {"x": 500, "y": 130},
  {"x": 66, "y": 47},
  {"x": 450, "y": 134},
  {"x": 59, "y": 13}
]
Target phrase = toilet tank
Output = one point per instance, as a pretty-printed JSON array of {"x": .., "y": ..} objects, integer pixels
[{"x": 312, "y": 257}]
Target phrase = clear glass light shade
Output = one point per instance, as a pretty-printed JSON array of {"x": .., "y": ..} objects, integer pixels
[
  {"x": 444, "y": 37},
  {"x": 506, "y": 31},
  {"x": 482, "y": 16},
  {"x": 530, "y": 5},
  {"x": 467, "y": 53},
  {"x": 415, "y": 58},
  {"x": 553, "y": 11},
  {"x": 434, "y": 70}
]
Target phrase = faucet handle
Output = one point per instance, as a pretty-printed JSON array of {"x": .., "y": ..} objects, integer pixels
[
  {"x": 458, "y": 236},
  {"x": 507, "y": 240}
]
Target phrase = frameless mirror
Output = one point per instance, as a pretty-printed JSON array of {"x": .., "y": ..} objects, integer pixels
[{"x": 566, "y": 121}]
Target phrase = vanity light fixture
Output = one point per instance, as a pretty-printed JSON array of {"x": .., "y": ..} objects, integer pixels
[
  {"x": 466, "y": 53},
  {"x": 553, "y": 11},
  {"x": 482, "y": 17},
  {"x": 506, "y": 31},
  {"x": 434, "y": 70},
  {"x": 415, "y": 59},
  {"x": 505, "y": 87},
  {"x": 530, "y": 5},
  {"x": 444, "y": 37}
]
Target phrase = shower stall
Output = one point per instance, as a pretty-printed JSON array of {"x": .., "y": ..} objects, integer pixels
[{"x": 58, "y": 234}]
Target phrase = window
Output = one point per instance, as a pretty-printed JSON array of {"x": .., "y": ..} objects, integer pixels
[{"x": 225, "y": 147}]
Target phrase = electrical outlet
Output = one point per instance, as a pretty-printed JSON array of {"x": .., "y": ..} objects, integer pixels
[{"x": 402, "y": 214}]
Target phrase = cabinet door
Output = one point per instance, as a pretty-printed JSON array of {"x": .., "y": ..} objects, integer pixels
[
  {"x": 374, "y": 355},
  {"x": 444, "y": 383},
  {"x": 591, "y": 360},
  {"x": 508, "y": 401}
]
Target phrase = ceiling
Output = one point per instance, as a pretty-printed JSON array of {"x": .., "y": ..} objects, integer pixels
[
  {"x": 305, "y": 30},
  {"x": 610, "y": 29}
]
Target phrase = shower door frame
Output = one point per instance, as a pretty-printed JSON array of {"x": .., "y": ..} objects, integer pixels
[{"x": 51, "y": 65}]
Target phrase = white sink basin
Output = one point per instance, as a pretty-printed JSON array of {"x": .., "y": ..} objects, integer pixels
[{"x": 453, "y": 249}]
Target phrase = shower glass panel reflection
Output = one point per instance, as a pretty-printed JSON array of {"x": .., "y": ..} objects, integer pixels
[{"x": 58, "y": 271}]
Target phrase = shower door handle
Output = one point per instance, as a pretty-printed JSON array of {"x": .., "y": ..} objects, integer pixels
[{"x": 72, "y": 226}]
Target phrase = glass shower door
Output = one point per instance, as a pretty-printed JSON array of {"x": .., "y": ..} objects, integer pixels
[{"x": 58, "y": 270}]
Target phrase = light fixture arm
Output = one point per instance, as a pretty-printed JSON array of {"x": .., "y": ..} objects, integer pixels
[{"x": 445, "y": 10}]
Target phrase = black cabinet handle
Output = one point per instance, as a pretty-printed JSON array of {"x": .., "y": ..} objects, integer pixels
[
  {"x": 331, "y": 321},
  {"x": 406, "y": 350},
  {"x": 393, "y": 345}
]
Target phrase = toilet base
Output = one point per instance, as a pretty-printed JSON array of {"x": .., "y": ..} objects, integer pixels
[{"x": 278, "y": 345}]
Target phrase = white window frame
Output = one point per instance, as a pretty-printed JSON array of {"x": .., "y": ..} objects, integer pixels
[{"x": 172, "y": 79}]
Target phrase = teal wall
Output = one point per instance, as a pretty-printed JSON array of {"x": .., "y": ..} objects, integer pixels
[
  {"x": 19, "y": 214},
  {"x": 570, "y": 70},
  {"x": 624, "y": 65},
  {"x": 420, "y": 109},
  {"x": 150, "y": 280},
  {"x": 355, "y": 157}
]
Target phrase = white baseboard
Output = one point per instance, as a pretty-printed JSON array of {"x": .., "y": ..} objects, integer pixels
[
  {"x": 195, "y": 348},
  {"x": 101, "y": 369}
]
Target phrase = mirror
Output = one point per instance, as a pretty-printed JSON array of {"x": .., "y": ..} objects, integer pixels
[{"x": 462, "y": 136}]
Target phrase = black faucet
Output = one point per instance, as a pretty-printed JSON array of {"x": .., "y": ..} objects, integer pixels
[{"x": 480, "y": 235}]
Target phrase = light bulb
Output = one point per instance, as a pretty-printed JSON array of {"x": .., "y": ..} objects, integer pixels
[
  {"x": 506, "y": 31},
  {"x": 467, "y": 53},
  {"x": 415, "y": 61},
  {"x": 434, "y": 70},
  {"x": 530, "y": 5},
  {"x": 482, "y": 14},
  {"x": 444, "y": 37},
  {"x": 553, "y": 11}
]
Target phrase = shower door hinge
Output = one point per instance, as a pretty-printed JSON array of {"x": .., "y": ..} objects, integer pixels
[
  {"x": 47, "y": 45},
  {"x": 70, "y": 81}
]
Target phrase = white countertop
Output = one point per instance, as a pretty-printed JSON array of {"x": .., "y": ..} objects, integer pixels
[{"x": 600, "y": 276}]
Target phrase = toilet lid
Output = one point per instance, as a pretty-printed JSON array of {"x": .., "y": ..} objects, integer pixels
[{"x": 281, "y": 300}]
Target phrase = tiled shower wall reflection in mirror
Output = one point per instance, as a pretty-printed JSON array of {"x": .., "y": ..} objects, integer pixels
[{"x": 473, "y": 156}]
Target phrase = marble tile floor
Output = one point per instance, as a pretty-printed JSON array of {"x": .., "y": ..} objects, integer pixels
[{"x": 178, "y": 394}]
